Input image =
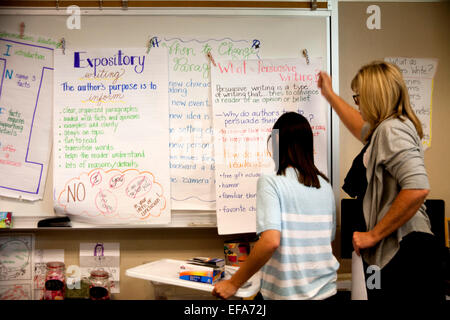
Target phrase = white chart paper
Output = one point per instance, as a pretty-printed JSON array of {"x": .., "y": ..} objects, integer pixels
[
  {"x": 26, "y": 71},
  {"x": 359, "y": 291},
  {"x": 418, "y": 75},
  {"x": 191, "y": 131},
  {"x": 248, "y": 97}
]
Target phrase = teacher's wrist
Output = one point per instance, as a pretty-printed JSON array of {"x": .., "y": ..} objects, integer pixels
[{"x": 375, "y": 236}]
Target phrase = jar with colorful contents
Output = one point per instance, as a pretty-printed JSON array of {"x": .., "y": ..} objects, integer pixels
[
  {"x": 99, "y": 285},
  {"x": 55, "y": 281}
]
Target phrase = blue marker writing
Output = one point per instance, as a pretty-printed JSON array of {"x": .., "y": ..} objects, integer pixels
[
  {"x": 7, "y": 50},
  {"x": 118, "y": 59}
]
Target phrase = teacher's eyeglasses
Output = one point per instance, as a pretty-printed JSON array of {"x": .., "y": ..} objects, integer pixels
[{"x": 356, "y": 99}]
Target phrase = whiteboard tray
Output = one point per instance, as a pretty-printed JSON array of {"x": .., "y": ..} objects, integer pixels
[{"x": 166, "y": 271}]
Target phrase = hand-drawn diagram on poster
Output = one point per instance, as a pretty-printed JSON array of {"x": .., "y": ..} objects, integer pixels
[
  {"x": 418, "y": 75},
  {"x": 124, "y": 195},
  {"x": 111, "y": 131},
  {"x": 191, "y": 132},
  {"x": 16, "y": 267},
  {"x": 26, "y": 71},
  {"x": 248, "y": 97},
  {"x": 16, "y": 254}
]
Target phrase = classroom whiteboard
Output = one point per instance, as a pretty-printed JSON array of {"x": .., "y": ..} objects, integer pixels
[{"x": 282, "y": 33}]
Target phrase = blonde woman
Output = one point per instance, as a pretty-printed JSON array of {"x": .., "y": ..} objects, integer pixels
[{"x": 398, "y": 238}]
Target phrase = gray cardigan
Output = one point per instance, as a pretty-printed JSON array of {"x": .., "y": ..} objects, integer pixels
[{"x": 394, "y": 161}]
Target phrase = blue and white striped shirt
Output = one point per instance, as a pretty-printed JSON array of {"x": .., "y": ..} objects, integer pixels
[{"x": 303, "y": 267}]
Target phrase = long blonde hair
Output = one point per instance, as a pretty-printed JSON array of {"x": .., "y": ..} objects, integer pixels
[{"x": 382, "y": 94}]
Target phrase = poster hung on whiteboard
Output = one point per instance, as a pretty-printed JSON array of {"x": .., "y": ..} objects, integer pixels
[
  {"x": 248, "y": 97},
  {"x": 191, "y": 128},
  {"x": 111, "y": 128},
  {"x": 26, "y": 71}
]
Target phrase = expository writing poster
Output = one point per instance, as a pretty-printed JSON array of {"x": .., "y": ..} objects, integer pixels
[
  {"x": 26, "y": 76},
  {"x": 248, "y": 97},
  {"x": 192, "y": 164},
  {"x": 111, "y": 127}
]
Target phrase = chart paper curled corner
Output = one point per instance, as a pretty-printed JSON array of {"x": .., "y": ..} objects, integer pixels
[{"x": 359, "y": 291}]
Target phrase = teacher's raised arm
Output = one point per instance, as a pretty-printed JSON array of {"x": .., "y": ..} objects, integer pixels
[{"x": 351, "y": 118}]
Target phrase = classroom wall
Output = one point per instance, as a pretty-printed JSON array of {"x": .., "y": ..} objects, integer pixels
[{"x": 408, "y": 29}]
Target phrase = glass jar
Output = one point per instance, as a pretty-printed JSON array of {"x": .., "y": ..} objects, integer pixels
[
  {"x": 99, "y": 285},
  {"x": 55, "y": 281}
]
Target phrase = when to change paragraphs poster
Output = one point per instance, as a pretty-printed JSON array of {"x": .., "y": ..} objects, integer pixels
[{"x": 191, "y": 129}]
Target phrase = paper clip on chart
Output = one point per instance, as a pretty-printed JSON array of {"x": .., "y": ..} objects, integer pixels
[
  {"x": 306, "y": 55},
  {"x": 209, "y": 55},
  {"x": 63, "y": 45}
]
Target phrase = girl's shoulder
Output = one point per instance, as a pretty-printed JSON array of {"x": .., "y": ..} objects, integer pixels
[
  {"x": 290, "y": 180},
  {"x": 265, "y": 179},
  {"x": 325, "y": 185},
  {"x": 268, "y": 183}
]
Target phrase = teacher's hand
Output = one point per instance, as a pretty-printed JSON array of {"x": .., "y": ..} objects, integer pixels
[
  {"x": 363, "y": 240},
  {"x": 224, "y": 289},
  {"x": 324, "y": 83}
]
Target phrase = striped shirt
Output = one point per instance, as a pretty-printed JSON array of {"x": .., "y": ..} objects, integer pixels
[{"x": 303, "y": 267}]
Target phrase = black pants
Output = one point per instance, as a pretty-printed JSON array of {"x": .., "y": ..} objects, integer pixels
[{"x": 415, "y": 272}]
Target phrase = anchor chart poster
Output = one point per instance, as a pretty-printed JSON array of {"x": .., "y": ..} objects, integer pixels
[
  {"x": 418, "y": 74},
  {"x": 111, "y": 127},
  {"x": 191, "y": 135}
]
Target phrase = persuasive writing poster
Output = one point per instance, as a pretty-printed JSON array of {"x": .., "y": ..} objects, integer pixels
[{"x": 248, "y": 97}]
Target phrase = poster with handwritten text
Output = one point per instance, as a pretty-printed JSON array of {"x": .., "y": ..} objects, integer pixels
[
  {"x": 16, "y": 266},
  {"x": 191, "y": 131},
  {"x": 418, "y": 75},
  {"x": 248, "y": 97},
  {"x": 111, "y": 132},
  {"x": 26, "y": 71}
]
